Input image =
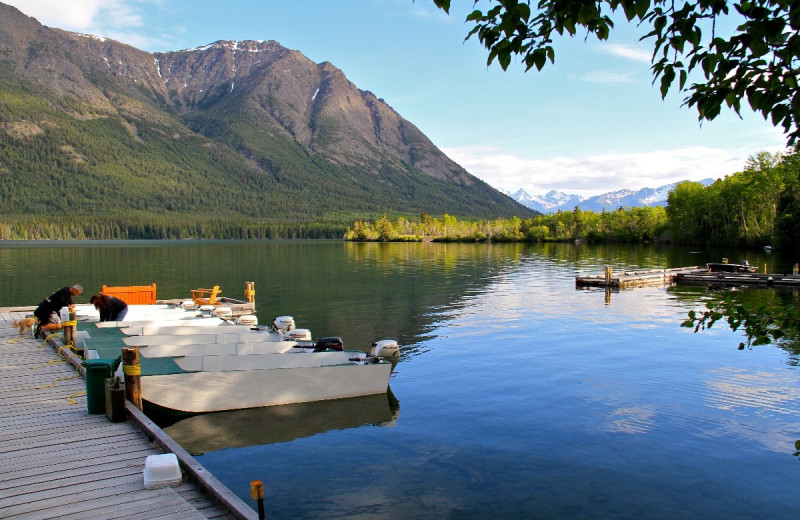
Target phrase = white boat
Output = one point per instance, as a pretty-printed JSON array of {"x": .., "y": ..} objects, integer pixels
[
  {"x": 216, "y": 386},
  {"x": 189, "y": 339},
  {"x": 203, "y": 322},
  {"x": 217, "y": 349},
  {"x": 216, "y": 374},
  {"x": 263, "y": 361}
]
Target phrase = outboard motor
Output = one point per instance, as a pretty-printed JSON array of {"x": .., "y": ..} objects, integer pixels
[
  {"x": 224, "y": 313},
  {"x": 207, "y": 310},
  {"x": 283, "y": 323},
  {"x": 297, "y": 335},
  {"x": 385, "y": 348},
  {"x": 247, "y": 319},
  {"x": 329, "y": 343}
]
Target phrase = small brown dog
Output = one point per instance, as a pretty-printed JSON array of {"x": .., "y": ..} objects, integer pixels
[{"x": 26, "y": 323}]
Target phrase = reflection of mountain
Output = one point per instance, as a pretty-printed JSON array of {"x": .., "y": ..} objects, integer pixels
[{"x": 274, "y": 424}]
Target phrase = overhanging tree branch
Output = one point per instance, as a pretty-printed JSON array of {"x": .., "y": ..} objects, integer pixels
[{"x": 757, "y": 62}]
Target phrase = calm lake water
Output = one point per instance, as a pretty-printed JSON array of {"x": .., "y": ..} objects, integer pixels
[{"x": 516, "y": 395}]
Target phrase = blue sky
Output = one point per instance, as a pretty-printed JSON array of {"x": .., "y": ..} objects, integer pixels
[{"x": 591, "y": 123}]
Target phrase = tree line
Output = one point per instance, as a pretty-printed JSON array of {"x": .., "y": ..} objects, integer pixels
[
  {"x": 145, "y": 227},
  {"x": 755, "y": 207}
]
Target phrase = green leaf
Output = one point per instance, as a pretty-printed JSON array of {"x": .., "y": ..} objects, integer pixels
[{"x": 443, "y": 5}]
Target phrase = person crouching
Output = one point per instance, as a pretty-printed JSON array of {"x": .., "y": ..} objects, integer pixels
[
  {"x": 48, "y": 312},
  {"x": 111, "y": 308}
]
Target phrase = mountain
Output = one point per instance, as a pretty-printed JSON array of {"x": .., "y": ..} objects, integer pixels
[
  {"x": 233, "y": 130},
  {"x": 554, "y": 201}
]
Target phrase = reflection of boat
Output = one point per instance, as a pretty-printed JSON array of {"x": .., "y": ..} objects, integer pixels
[
  {"x": 724, "y": 267},
  {"x": 257, "y": 426}
]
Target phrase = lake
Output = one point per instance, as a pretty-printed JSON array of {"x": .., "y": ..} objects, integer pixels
[{"x": 516, "y": 395}]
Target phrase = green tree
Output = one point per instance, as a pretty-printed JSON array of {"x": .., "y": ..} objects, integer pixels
[
  {"x": 385, "y": 229},
  {"x": 757, "y": 60},
  {"x": 686, "y": 211}
]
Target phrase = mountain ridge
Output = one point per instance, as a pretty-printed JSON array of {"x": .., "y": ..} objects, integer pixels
[
  {"x": 233, "y": 129},
  {"x": 554, "y": 201}
]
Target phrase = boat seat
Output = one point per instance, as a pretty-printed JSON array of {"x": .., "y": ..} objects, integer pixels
[{"x": 206, "y": 296}]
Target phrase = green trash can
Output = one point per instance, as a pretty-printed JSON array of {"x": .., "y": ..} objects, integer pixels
[{"x": 97, "y": 371}]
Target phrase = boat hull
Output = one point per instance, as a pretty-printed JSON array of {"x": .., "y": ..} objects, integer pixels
[
  {"x": 217, "y": 349},
  {"x": 200, "y": 392},
  {"x": 191, "y": 339}
]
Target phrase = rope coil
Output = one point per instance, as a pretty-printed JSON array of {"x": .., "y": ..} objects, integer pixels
[{"x": 132, "y": 370}]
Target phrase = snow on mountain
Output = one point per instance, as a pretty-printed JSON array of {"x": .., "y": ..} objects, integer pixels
[{"x": 554, "y": 201}]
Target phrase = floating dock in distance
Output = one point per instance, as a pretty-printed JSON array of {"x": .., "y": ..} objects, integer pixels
[
  {"x": 649, "y": 277},
  {"x": 739, "y": 279},
  {"x": 686, "y": 276}
]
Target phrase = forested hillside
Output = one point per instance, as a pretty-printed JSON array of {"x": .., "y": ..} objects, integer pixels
[{"x": 101, "y": 140}]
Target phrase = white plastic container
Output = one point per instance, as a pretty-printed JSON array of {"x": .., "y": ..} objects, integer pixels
[{"x": 162, "y": 471}]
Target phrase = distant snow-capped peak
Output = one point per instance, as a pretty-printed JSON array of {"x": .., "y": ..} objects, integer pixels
[{"x": 554, "y": 201}]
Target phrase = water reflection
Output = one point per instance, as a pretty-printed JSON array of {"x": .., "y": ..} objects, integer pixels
[
  {"x": 522, "y": 397},
  {"x": 275, "y": 424}
]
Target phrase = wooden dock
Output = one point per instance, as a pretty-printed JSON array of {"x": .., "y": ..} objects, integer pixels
[
  {"x": 648, "y": 277},
  {"x": 686, "y": 276},
  {"x": 739, "y": 279},
  {"x": 59, "y": 461}
]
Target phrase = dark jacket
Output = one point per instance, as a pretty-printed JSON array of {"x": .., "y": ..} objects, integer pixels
[
  {"x": 115, "y": 306},
  {"x": 53, "y": 303}
]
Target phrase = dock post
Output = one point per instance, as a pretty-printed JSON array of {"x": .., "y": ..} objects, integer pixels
[
  {"x": 69, "y": 329},
  {"x": 257, "y": 491},
  {"x": 608, "y": 275},
  {"x": 250, "y": 292},
  {"x": 796, "y": 269},
  {"x": 132, "y": 371}
]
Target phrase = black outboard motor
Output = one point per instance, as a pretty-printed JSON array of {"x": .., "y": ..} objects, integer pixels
[{"x": 329, "y": 343}]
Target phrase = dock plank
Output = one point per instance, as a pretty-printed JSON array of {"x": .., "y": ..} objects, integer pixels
[{"x": 61, "y": 462}]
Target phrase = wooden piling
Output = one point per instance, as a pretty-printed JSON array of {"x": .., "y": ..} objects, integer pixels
[
  {"x": 250, "y": 292},
  {"x": 132, "y": 371}
]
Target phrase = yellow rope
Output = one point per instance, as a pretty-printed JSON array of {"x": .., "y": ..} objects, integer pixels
[
  {"x": 69, "y": 323},
  {"x": 74, "y": 394},
  {"x": 132, "y": 370},
  {"x": 55, "y": 381},
  {"x": 53, "y": 335},
  {"x": 69, "y": 346},
  {"x": 52, "y": 362}
]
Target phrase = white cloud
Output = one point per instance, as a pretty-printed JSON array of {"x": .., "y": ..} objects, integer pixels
[
  {"x": 75, "y": 15},
  {"x": 606, "y": 76},
  {"x": 628, "y": 52},
  {"x": 598, "y": 174},
  {"x": 122, "y": 20}
]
